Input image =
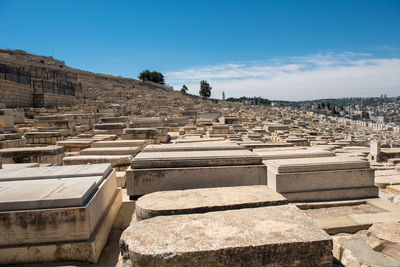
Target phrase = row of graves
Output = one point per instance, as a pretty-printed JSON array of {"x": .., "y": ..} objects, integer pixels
[{"x": 206, "y": 189}]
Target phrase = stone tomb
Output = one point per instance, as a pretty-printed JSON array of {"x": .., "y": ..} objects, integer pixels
[
  {"x": 55, "y": 172},
  {"x": 198, "y": 146},
  {"x": 203, "y": 200},
  {"x": 120, "y": 162},
  {"x": 133, "y": 151},
  {"x": 47, "y": 154},
  {"x": 47, "y": 218},
  {"x": 121, "y": 143},
  {"x": 194, "y": 158},
  {"x": 40, "y": 138},
  {"x": 75, "y": 145},
  {"x": 53, "y": 193},
  {"x": 294, "y": 153},
  {"x": 321, "y": 179},
  {"x": 264, "y": 236},
  {"x": 160, "y": 171},
  {"x": 258, "y": 144}
]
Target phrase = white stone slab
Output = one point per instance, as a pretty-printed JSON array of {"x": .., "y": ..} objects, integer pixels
[
  {"x": 199, "y": 146},
  {"x": 49, "y": 193},
  {"x": 56, "y": 172},
  {"x": 120, "y": 143},
  {"x": 110, "y": 151},
  {"x": 292, "y": 154},
  {"x": 115, "y": 160},
  {"x": 195, "y": 159},
  {"x": 315, "y": 164}
]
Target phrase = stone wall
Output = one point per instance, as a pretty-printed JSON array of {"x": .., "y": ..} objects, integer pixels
[
  {"x": 50, "y": 100},
  {"x": 15, "y": 94}
]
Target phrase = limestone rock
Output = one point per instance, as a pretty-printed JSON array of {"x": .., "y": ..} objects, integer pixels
[
  {"x": 385, "y": 237},
  {"x": 266, "y": 236}
]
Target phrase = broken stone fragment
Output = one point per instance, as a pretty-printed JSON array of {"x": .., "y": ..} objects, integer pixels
[{"x": 385, "y": 238}]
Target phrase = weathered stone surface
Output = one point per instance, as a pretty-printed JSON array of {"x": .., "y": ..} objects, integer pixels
[
  {"x": 108, "y": 126},
  {"x": 47, "y": 154},
  {"x": 333, "y": 194},
  {"x": 290, "y": 154},
  {"x": 206, "y": 200},
  {"x": 20, "y": 165},
  {"x": 316, "y": 164},
  {"x": 266, "y": 236},
  {"x": 385, "y": 237},
  {"x": 110, "y": 151},
  {"x": 47, "y": 225},
  {"x": 80, "y": 250},
  {"x": 56, "y": 172},
  {"x": 195, "y": 159},
  {"x": 72, "y": 144},
  {"x": 199, "y": 146},
  {"x": 115, "y": 160},
  {"x": 144, "y": 181},
  {"x": 46, "y": 193},
  {"x": 321, "y": 179},
  {"x": 120, "y": 143},
  {"x": 355, "y": 251}
]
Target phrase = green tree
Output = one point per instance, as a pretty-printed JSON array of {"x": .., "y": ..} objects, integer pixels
[
  {"x": 205, "y": 89},
  {"x": 184, "y": 89},
  {"x": 152, "y": 76}
]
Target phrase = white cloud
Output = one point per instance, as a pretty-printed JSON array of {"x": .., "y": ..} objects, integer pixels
[{"x": 297, "y": 78}]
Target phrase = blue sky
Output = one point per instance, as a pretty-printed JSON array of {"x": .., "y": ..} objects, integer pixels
[{"x": 290, "y": 50}]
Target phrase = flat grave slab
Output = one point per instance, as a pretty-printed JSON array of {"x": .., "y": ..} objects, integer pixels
[
  {"x": 195, "y": 159},
  {"x": 110, "y": 151},
  {"x": 49, "y": 193},
  {"x": 200, "y": 146},
  {"x": 316, "y": 164},
  {"x": 56, "y": 172},
  {"x": 265, "y": 236},
  {"x": 321, "y": 179},
  {"x": 115, "y": 160},
  {"x": 196, "y": 139},
  {"x": 120, "y": 143},
  {"x": 256, "y": 145},
  {"x": 82, "y": 143},
  {"x": 291, "y": 154},
  {"x": 56, "y": 224},
  {"x": 44, "y": 150},
  {"x": 20, "y": 165},
  {"x": 205, "y": 200}
]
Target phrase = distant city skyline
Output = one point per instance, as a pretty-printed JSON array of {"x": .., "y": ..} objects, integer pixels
[{"x": 280, "y": 50}]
